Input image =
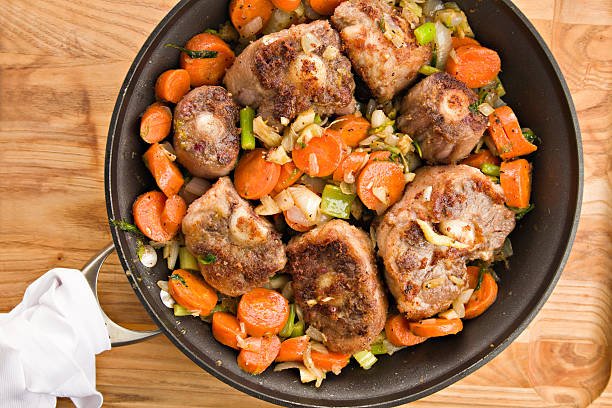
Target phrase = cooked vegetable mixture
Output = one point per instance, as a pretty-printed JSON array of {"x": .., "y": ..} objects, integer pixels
[{"x": 303, "y": 140}]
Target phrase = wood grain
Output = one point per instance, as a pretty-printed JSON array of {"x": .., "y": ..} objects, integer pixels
[{"x": 61, "y": 65}]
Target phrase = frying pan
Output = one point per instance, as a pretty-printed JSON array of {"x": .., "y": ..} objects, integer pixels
[{"x": 542, "y": 240}]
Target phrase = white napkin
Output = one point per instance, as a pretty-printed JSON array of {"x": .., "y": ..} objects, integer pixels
[{"x": 48, "y": 344}]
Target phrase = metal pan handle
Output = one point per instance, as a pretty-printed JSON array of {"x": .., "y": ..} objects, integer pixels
[{"x": 119, "y": 336}]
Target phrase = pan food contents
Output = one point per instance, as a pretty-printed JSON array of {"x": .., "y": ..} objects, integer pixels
[{"x": 289, "y": 193}]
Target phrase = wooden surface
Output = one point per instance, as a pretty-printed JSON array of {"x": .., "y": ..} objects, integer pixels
[{"x": 62, "y": 63}]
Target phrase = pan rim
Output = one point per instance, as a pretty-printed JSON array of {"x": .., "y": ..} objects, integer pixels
[{"x": 397, "y": 397}]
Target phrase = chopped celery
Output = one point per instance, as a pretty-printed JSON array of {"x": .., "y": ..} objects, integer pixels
[
  {"x": 425, "y": 33},
  {"x": 428, "y": 70},
  {"x": 365, "y": 359},
  {"x": 335, "y": 203},
  {"x": 317, "y": 119},
  {"x": 288, "y": 329},
  {"x": 298, "y": 329},
  {"x": 499, "y": 89},
  {"x": 490, "y": 169},
  {"x": 207, "y": 260},
  {"x": 247, "y": 138},
  {"x": 378, "y": 348},
  {"x": 181, "y": 310},
  {"x": 186, "y": 260}
]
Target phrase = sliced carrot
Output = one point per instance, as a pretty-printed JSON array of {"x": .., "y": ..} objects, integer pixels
[
  {"x": 460, "y": 42},
  {"x": 397, "y": 329},
  {"x": 436, "y": 327},
  {"x": 207, "y": 71},
  {"x": 165, "y": 172},
  {"x": 330, "y": 361},
  {"x": 264, "y": 312},
  {"x": 514, "y": 144},
  {"x": 242, "y": 12},
  {"x": 480, "y": 158},
  {"x": 473, "y": 272},
  {"x": 325, "y": 7},
  {"x": 353, "y": 129},
  {"x": 147, "y": 211},
  {"x": 225, "y": 328},
  {"x": 380, "y": 155},
  {"x": 296, "y": 220},
  {"x": 254, "y": 176},
  {"x": 515, "y": 180},
  {"x": 287, "y": 5},
  {"x": 474, "y": 65},
  {"x": 380, "y": 184},
  {"x": 155, "y": 123},
  {"x": 293, "y": 349},
  {"x": 482, "y": 298},
  {"x": 320, "y": 156},
  {"x": 173, "y": 214},
  {"x": 351, "y": 165},
  {"x": 258, "y": 354},
  {"x": 172, "y": 85},
  {"x": 190, "y": 291},
  {"x": 289, "y": 174}
]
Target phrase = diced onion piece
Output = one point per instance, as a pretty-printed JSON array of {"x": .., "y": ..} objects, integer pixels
[
  {"x": 278, "y": 155},
  {"x": 368, "y": 140},
  {"x": 284, "y": 200},
  {"x": 310, "y": 43},
  {"x": 433, "y": 283},
  {"x": 316, "y": 346},
  {"x": 459, "y": 308},
  {"x": 465, "y": 296},
  {"x": 331, "y": 52},
  {"x": 485, "y": 109},
  {"x": 313, "y": 163},
  {"x": 287, "y": 365},
  {"x": 392, "y": 31},
  {"x": 346, "y": 187},
  {"x": 408, "y": 177},
  {"x": 309, "y": 363},
  {"x": 427, "y": 193},
  {"x": 405, "y": 144},
  {"x": 296, "y": 216},
  {"x": 284, "y": 121},
  {"x": 171, "y": 253},
  {"x": 456, "y": 280},
  {"x": 309, "y": 132},
  {"x": 307, "y": 201},
  {"x": 443, "y": 45},
  {"x": 391, "y": 139},
  {"x": 431, "y": 6},
  {"x": 252, "y": 27},
  {"x": 436, "y": 239},
  {"x": 449, "y": 314},
  {"x": 197, "y": 186},
  {"x": 163, "y": 285},
  {"x": 322, "y": 218},
  {"x": 378, "y": 118},
  {"x": 166, "y": 298},
  {"x": 382, "y": 194},
  {"x": 303, "y": 119},
  {"x": 315, "y": 334},
  {"x": 458, "y": 230},
  {"x": 169, "y": 151},
  {"x": 390, "y": 347},
  {"x": 268, "y": 206},
  {"x": 267, "y": 134}
]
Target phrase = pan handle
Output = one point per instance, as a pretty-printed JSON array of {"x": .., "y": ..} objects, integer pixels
[{"x": 119, "y": 336}]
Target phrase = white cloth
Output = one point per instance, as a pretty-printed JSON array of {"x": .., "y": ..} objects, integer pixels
[{"x": 48, "y": 344}]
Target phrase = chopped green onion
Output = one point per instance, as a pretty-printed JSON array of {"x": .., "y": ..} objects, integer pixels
[
  {"x": 365, "y": 359},
  {"x": 247, "y": 138},
  {"x": 519, "y": 213},
  {"x": 378, "y": 348},
  {"x": 287, "y": 331},
  {"x": 317, "y": 119},
  {"x": 187, "y": 260},
  {"x": 425, "y": 33},
  {"x": 126, "y": 227},
  {"x": 207, "y": 260},
  {"x": 490, "y": 169},
  {"x": 181, "y": 310},
  {"x": 529, "y": 135},
  {"x": 417, "y": 146},
  {"x": 335, "y": 203},
  {"x": 298, "y": 329},
  {"x": 195, "y": 54},
  {"x": 428, "y": 70},
  {"x": 179, "y": 278}
]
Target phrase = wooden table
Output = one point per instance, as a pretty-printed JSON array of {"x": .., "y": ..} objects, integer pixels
[{"x": 62, "y": 63}]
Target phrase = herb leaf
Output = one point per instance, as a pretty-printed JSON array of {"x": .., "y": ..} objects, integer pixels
[
  {"x": 474, "y": 107},
  {"x": 127, "y": 227},
  {"x": 519, "y": 213},
  {"x": 194, "y": 53},
  {"x": 179, "y": 278},
  {"x": 417, "y": 146},
  {"x": 207, "y": 260}
]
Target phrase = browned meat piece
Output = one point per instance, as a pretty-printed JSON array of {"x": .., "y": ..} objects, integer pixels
[
  {"x": 436, "y": 113},
  {"x": 206, "y": 139},
  {"x": 281, "y": 78},
  {"x": 336, "y": 285},
  {"x": 386, "y": 67},
  {"x": 246, "y": 247},
  {"x": 462, "y": 203}
]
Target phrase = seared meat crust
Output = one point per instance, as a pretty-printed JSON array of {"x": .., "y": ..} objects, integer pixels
[
  {"x": 336, "y": 285},
  {"x": 279, "y": 77},
  {"x": 384, "y": 67},
  {"x": 206, "y": 139},
  {"x": 436, "y": 113},
  {"x": 465, "y": 205},
  {"x": 246, "y": 247}
]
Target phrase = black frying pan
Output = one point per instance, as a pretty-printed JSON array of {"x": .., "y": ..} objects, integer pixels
[{"x": 542, "y": 240}]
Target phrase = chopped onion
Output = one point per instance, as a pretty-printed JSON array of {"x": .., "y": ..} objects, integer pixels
[
  {"x": 465, "y": 296},
  {"x": 443, "y": 45},
  {"x": 313, "y": 163},
  {"x": 408, "y": 177},
  {"x": 287, "y": 291},
  {"x": 252, "y": 27},
  {"x": 331, "y": 52},
  {"x": 309, "y": 132},
  {"x": 449, "y": 314},
  {"x": 268, "y": 206},
  {"x": 431, "y": 6},
  {"x": 287, "y": 365},
  {"x": 173, "y": 253},
  {"x": 310, "y": 43},
  {"x": 267, "y": 134},
  {"x": 392, "y": 31},
  {"x": 305, "y": 375},
  {"x": 322, "y": 218},
  {"x": 303, "y": 119},
  {"x": 458, "y": 230},
  {"x": 318, "y": 373},
  {"x": 382, "y": 194},
  {"x": 316, "y": 346},
  {"x": 427, "y": 193},
  {"x": 485, "y": 109},
  {"x": 378, "y": 118},
  {"x": 346, "y": 187},
  {"x": 278, "y": 155},
  {"x": 284, "y": 200},
  {"x": 169, "y": 151},
  {"x": 436, "y": 239},
  {"x": 147, "y": 255},
  {"x": 166, "y": 298},
  {"x": 307, "y": 201},
  {"x": 163, "y": 285},
  {"x": 197, "y": 186},
  {"x": 459, "y": 308},
  {"x": 368, "y": 140},
  {"x": 315, "y": 334},
  {"x": 296, "y": 216},
  {"x": 390, "y": 347},
  {"x": 405, "y": 144},
  {"x": 391, "y": 139},
  {"x": 279, "y": 20}
]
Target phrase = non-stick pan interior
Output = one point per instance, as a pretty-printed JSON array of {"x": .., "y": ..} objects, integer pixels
[{"x": 541, "y": 241}]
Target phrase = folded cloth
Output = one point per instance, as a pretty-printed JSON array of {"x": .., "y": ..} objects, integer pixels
[{"x": 48, "y": 344}]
